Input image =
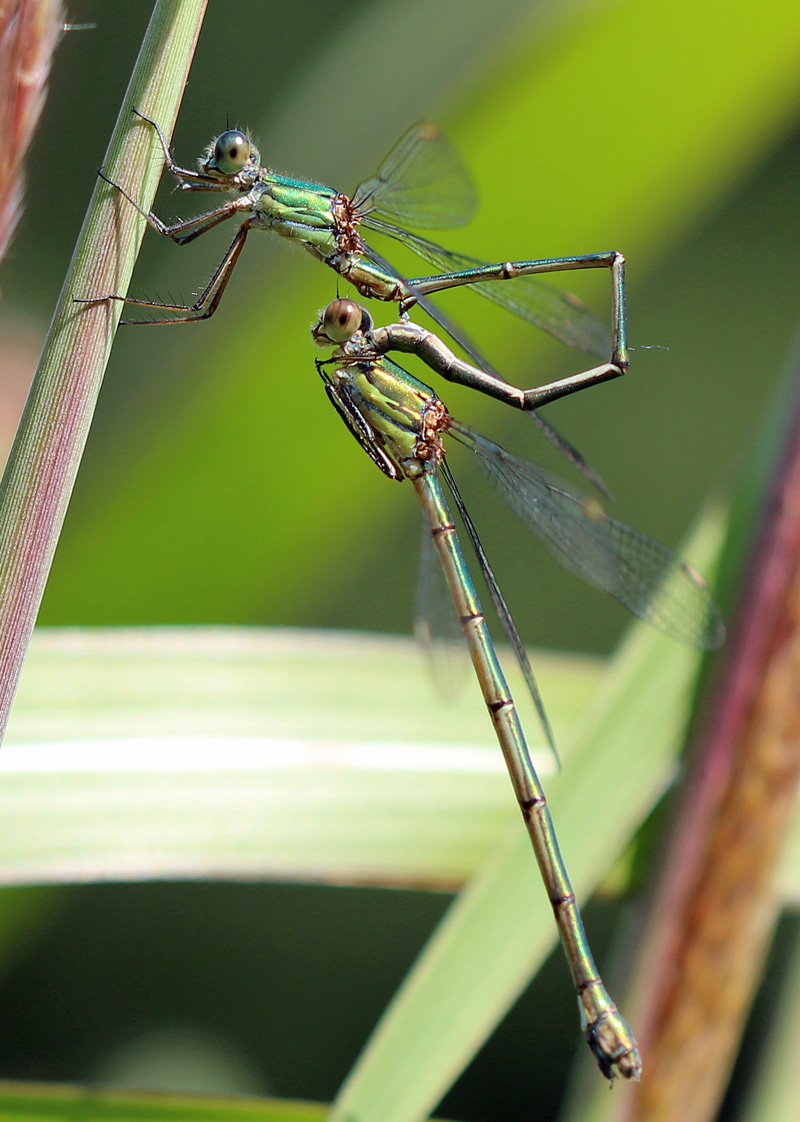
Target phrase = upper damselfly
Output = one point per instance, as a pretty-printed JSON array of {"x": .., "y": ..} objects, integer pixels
[{"x": 422, "y": 184}]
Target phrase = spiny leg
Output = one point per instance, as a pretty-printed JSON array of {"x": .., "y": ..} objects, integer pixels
[
  {"x": 205, "y": 305},
  {"x": 187, "y": 229},
  {"x": 208, "y": 301}
]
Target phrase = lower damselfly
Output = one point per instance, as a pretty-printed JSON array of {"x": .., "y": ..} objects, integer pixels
[{"x": 401, "y": 424}]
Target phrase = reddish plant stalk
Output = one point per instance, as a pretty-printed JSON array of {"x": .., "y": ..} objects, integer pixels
[
  {"x": 717, "y": 904},
  {"x": 29, "y": 31}
]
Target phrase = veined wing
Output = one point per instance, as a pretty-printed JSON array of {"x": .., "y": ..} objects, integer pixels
[
  {"x": 551, "y": 309},
  {"x": 647, "y": 578},
  {"x": 436, "y": 625},
  {"x": 503, "y": 614},
  {"x": 422, "y": 183}
]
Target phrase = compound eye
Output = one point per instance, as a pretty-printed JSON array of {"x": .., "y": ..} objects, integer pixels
[
  {"x": 231, "y": 152},
  {"x": 341, "y": 320}
]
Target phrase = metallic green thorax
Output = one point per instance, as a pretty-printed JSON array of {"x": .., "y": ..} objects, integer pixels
[
  {"x": 405, "y": 415},
  {"x": 296, "y": 209},
  {"x": 325, "y": 223}
]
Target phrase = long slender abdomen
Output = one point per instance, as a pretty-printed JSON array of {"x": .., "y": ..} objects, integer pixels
[{"x": 606, "y": 1031}]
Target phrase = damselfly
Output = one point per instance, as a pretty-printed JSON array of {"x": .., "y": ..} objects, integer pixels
[
  {"x": 401, "y": 424},
  {"x": 422, "y": 183}
]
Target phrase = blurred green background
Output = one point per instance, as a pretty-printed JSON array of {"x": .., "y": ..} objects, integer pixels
[{"x": 219, "y": 487}]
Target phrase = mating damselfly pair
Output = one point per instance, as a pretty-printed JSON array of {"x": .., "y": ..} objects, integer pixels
[{"x": 401, "y": 423}]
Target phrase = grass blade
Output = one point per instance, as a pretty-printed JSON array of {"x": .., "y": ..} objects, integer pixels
[
  {"x": 44, "y": 460},
  {"x": 31, "y": 1102}
]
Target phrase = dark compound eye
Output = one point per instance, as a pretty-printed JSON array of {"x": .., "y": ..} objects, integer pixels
[
  {"x": 231, "y": 152},
  {"x": 341, "y": 320}
]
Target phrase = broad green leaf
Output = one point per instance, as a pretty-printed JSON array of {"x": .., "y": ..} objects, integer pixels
[
  {"x": 183, "y": 752},
  {"x": 31, "y": 1102}
]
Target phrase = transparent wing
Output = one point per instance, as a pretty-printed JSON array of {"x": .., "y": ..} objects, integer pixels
[
  {"x": 559, "y": 313},
  {"x": 503, "y": 614},
  {"x": 423, "y": 183},
  {"x": 647, "y": 578},
  {"x": 436, "y": 625}
]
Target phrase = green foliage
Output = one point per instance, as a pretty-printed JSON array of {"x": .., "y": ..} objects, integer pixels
[{"x": 44, "y": 1104}]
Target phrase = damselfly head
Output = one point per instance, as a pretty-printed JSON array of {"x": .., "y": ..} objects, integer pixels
[
  {"x": 231, "y": 154},
  {"x": 340, "y": 321}
]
